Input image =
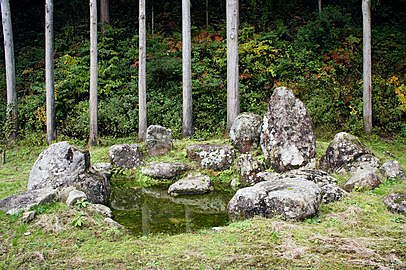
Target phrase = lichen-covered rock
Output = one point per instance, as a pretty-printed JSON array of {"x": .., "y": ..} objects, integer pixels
[
  {"x": 292, "y": 199},
  {"x": 211, "y": 156},
  {"x": 268, "y": 176},
  {"x": 365, "y": 179},
  {"x": 191, "y": 185},
  {"x": 396, "y": 202},
  {"x": 347, "y": 154},
  {"x": 25, "y": 200},
  {"x": 392, "y": 169},
  {"x": 165, "y": 170},
  {"x": 127, "y": 156},
  {"x": 287, "y": 137},
  {"x": 103, "y": 168},
  {"x": 100, "y": 209},
  {"x": 248, "y": 170},
  {"x": 158, "y": 140},
  {"x": 96, "y": 187},
  {"x": 57, "y": 166},
  {"x": 245, "y": 132},
  {"x": 74, "y": 196},
  {"x": 330, "y": 191}
]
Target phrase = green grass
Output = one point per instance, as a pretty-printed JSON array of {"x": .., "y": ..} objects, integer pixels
[{"x": 357, "y": 232}]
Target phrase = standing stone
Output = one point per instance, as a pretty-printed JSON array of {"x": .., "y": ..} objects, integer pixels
[
  {"x": 127, "y": 156},
  {"x": 347, "y": 154},
  {"x": 211, "y": 156},
  {"x": 158, "y": 140},
  {"x": 393, "y": 170},
  {"x": 245, "y": 132},
  {"x": 287, "y": 137},
  {"x": 248, "y": 170}
]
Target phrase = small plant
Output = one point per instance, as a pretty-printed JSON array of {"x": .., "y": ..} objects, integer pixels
[
  {"x": 83, "y": 203},
  {"x": 79, "y": 220}
]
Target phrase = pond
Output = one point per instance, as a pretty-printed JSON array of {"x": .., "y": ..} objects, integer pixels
[{"x": 152, "y": 210}]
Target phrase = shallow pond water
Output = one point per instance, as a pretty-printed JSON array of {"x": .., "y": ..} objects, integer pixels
[{"x": 153, "y": 210}]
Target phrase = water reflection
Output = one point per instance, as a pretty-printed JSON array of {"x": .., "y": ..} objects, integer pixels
[{"x": 152, "y": 210}]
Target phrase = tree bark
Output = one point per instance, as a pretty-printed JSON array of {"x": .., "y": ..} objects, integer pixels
[
  {"x": 93, "y": 72},
  {"x": 152, "y": 19},
  {"x": 319, "y": 5},
  {"x": 49, "y": 70},
  {"x": 207, "y": 14},
  {"x": 233, "y": 88},
  {"x": 367, "y": 66},
  {"x": 187, "y": 69},
  {"x": 12, "y": 122},
  {"x": 142, "y": 87},
  {"x": 104, "y": 13}
]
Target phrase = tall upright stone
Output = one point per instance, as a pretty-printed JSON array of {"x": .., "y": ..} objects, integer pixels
[{"x": 287, "y": 137}]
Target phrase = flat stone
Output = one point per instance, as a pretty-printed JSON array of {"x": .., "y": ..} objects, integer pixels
[
  {"x": 165, "y": 170},
  {"x": 212, "y": 156},
  {"x": 191, "y": 185},
  {"x": 100, "y": 209}
]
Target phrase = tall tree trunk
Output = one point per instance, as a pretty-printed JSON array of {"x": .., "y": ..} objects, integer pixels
[
  {"x": 367, "y": 66},
  {"x": 93, "y": 72},
  {"x": 319, "y": 5},
  {"x": 104, "y": 13},
  {"x": 187, "y": 69},
  {"x": 152, "y": 19},
  {"x": 233, "y": 88},
  {"x": 142, "y": 74},
  {"x": 12, "y": 123},
  {"x": 207, "y": 14},
  {"x": 49, "y": 70}
]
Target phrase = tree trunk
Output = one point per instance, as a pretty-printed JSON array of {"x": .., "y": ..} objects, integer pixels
[
  {"x": 12, "y": 123},
  {"x": 152, "y": 19},
  {"x": 49, "y": 70},
  {"x": 233, "y": 88},
  {"x": 104, "y": 13},
  {"x": 187, "y": 69},
  {"x": 319, "y": 5},
  {"x": 93, "y": 72},
  {"x": 142, "y": 87},
  {"x": 367, "y": 100},
  {"x": 207, "y": 14}
]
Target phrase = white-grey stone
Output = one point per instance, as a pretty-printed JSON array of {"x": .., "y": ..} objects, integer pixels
[
  {"x": 249, "y": 167},
  {"x": 191, "y": 185},
  {"x": 165, "y": 170},
  {"x": 112, "y": 223},
  {"x": 158, "y": 140},
  {"x": 127, "y": 156},
  {"x": 74, "y": 196},
  {"x": 393, "y": 170},
  {"x": 28, "y": 216},
  {"x": 212, "y": 156},
  {"x": 287, "y": 138},
  {"x": 103, "y": 168},
  {"x": 245, "y": 132},
  {"x": 268, "y": 176},
  {"x": 365, "y": 179},
  {"x": 396, "y": 202},
  {"x": 100, "y": 209}
]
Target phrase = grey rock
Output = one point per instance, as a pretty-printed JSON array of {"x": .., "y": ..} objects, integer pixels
[
  {"x": 158, "y": 140},
  {"x": 100, "y": 209},
  {"x": 127, "y": 156},
  {"x": 57, "y": 166},
  {"x": 24, "y": 201},
  {"x": 112, "y": 223},
  {"x": 287, "y": 137},
  {"x": 365, "y": 179},
  {"x": 96, "y": 186},
  {"x": 292, "y": 199},
  {"x": 396, "y": 202},
  {"x": 268, "y": 176},
  {"x": 165, "y": 170},
  {"x": 211, "y": 156},
  {"x": 249, "y": 168},
  {"x": 392, "y": 169},
  {"x": 346, "y": 154},
  {"x": 103, "y": 168},
  {"x": 234, "y": 183},
  {"x": 28, "y": 216},
  {"x": 74, "y": 196},
  {"x": 245, "y": 132},
  {"x": 330, "y": 191},
  {"x": 63, "y": 193},
  {"x": 191, "y": 185}
]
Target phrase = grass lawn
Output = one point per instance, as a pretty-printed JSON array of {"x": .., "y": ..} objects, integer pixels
[{"x": 357, "y": 232}]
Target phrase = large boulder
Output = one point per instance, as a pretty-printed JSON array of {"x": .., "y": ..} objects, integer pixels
[
  {"x": 292, "y": 199},
  {"x": 245, "y": 132},
  {"x": 165, "y": 170},
  {"x": 347, "y": 154},
  {"x": 127, "y": 156},
  {"x": 158, "y": 140},
  {"x": 57, "y": 166},
  {"x": 287, "y": 137},
  {"x": 96, "y": 187},
  {"x": 365, "y": 179},
  {"x": 191, "y": 185},
  {"x": 330, "y": 191},
  {"x": 211, "y": 156},
  {"x": 393, "y": 170},
  {"x": 249, "y": 167},
  {"x": 396, "y": 202}
]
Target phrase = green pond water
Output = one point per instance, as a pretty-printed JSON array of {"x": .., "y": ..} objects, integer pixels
[{"x": 153, "y": 210}]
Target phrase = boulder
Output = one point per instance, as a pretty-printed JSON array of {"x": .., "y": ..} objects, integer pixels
[
  {"x": 127, "y": 156},
  {"x": 165, "y": 170},
  {"x": 287, "y": 137},
  {"x": 211, "y": 156},
  {"x": 347, "y": 154},
  {"x": 74, "y": 196},
  {"x": 396, "y": 202},
  {"x": 393, "y": 170},
  {"x": 57, "y": 166},
  {"x": 158, "y": 140},
  {"x": 191, "y": 185},
  {"x": 103, "y": 168},
  {"x": 100, "y": 209},
  {"x": 292, "y": 199},
  {"x": 268, "y": 176},
  {"x": 245, "y": 132},
  {"x": 249, "y": 168},
  {"x": 96, "y": 187},
  {"x": 365, "y": 179},
  {"x": 330, "y": 191},
  {"x": 24, "y": 201}
]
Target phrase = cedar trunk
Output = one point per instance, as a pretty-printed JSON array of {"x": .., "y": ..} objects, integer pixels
[
  {"x": 367, "y": 66},
  {"x": 142, "y": 87},
  {"x": 93, "y": 72},
  {"x": 187, "y": 69}
]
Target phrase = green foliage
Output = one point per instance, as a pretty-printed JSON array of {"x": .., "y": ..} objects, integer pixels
[
  {"x": 79, "y": 220},
  {"x": 83, "y": 203}
]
